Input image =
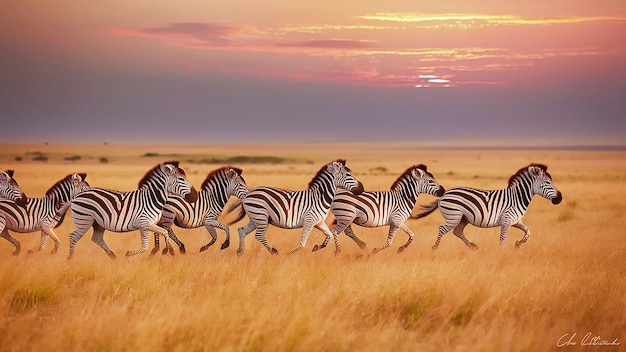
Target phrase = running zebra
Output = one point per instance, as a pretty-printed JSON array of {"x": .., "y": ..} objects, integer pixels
[
  {"x": 9, "y": 189},
  {"x": 41, "y": 214},
  {"x": 118, "y": 211},
  {"x": 375, "y": 209},
  {"x": 218, "y": 186},
  {"x": 490, "y": 208},
  {"x": 293, "y": 209}
]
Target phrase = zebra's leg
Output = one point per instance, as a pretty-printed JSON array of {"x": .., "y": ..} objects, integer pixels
[
  {"x": 409, "y": 233},
  {"x": 324, "y": 228},
  {"x": 42, "y": 243},
  {"x": 181, "y": 246},
  {"x": 81, "y": 230},
  {"x": 458, "y": 232},
  {"x": 443, "y": 229},
  {"x": 520, "y": 225},
  {"x": 348, "y": 231},
  {"x": 157, "y": 246},
  {"x": 392, "y": 232},
  {"x": 145, "y": 230},
  {"x": 98, "y": 238},
  {"x": 243, "y": 232},
  {"x": 336, "y": 230},
  {"x": 260, "y": 236},
  {"x": 5, "y": 234},
  {"x": 306, "y": 231},
  {"x": 211, "y": 229}
]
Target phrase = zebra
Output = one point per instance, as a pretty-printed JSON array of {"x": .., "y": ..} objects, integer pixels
[
  {"x": 41, "y": 214},
  {"x": 490, "y": 208},
  {"x": 117, "y": 211},
  {"x": 9, "y": 189},
  {"x": 217, "y": 187},
  {"x": 393, "y": 207},
  {"x": 293, "y": 209}
]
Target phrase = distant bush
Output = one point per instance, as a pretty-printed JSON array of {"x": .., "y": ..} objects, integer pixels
[
  {"x": 18, "y": 158},
  {"x": 72, "y": 158},
  {"x": 104, "y": 160},
  {"x": 240, "y": 159},
  {"x": 150, "y": 155},
  {"x": 40, "y": 158},
  {"x": 379, "y": 169}
]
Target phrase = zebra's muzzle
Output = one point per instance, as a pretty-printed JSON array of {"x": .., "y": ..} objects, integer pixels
[
  {"x": 358, "y": 189},
  {"x": 440, "y": 191},
  {"x": 556, "y": 200},
  {"x": 192, "y": 196},
  {"x": 21, "y": 201}
]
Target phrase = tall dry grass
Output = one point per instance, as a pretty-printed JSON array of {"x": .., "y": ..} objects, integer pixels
[{"x": 568, "y": 278}]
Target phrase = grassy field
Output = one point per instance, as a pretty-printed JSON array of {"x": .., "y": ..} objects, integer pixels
[{"x": 569, "y": 278}]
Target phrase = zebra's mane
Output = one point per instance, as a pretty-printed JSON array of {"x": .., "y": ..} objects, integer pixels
[
  {"x": 525, "y": 169},
  {"x": 323, "y": 169},
  {"x": 61, "y": 181},
  {"x": 399, "y": 179},
  {"x": 215, "y": 172},
  {"x": 155, "y": 170}
]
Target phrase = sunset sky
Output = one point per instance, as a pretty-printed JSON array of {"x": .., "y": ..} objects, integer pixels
[{"x": 439, "y": 72}]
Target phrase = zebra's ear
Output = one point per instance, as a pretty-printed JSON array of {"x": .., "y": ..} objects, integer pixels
[
  {"x": 418, "y": 173},
  {"x": 231, "y": 173},
  {"x": 10, "y": 173},
  {"x": 535, "y": 171},
  {"x": 168, "y": 168},
  {"x": 333, "y": 167}
]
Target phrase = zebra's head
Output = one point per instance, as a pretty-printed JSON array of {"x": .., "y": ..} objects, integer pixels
[
  {"x": 426, "y": 182},
  {"x": 177, "y": 182},
  {"x": 227, "y": 181},
  {"x": 68, "y": 187},
  {"x": 236, "y": 184},
  {"x": 9, "y": 189},
  {"x": 542, "y": 183},
  {"x": 343, "y": 177}
]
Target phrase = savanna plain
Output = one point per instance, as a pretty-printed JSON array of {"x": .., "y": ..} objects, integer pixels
[{"x": 563, "y": 290}]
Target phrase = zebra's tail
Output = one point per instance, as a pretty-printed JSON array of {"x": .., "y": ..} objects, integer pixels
[
  {"x": 237, "y": 207},
  {"x": 426, "y": 209}
]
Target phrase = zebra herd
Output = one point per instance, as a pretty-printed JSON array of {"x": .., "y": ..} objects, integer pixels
[{"x": 165, "y": 197}]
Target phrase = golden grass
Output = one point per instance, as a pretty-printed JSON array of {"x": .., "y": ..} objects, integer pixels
[{"x": 568, "y": 278}]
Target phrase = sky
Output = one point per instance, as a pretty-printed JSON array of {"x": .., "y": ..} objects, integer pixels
[{"x": 225, "y": 71}]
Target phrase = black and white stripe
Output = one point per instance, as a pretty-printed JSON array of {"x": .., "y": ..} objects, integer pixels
[
  {"x": 294, "y": 209},
  {"x": 218, "y": 186},
  {"x": 118, "y": 211},
  {"x": 490, "y": 208},
  {"x": 382, "y": 208},
  {"x": 41, "y": 214}
]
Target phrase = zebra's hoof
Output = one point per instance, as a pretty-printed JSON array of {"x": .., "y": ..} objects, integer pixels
[
  {"x": 518, "y": 243},
  {"x": 154, "y": 251},
  {"x": 362, "y": 245},
  {"x": 225, "y": 245},
  {"x": 401, "y": 249},
  {"x": 182, "y": 250},
  {"x": 204, "y": 248},
  {"x": 315, "y": 248},
  {"x": 435, "y": 246},
  {"x": 274, "y": 251},
  {"x": 128, "y": 254},
  {"x": 376, "y": 250},
  {"x": 473, "y": 246}
]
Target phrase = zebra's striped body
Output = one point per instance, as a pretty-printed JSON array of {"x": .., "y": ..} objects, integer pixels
[
  {"x": 490, "y": 208},
  {"x": 219, "y": 185},
  {"x": 294, "y": 209},
  {"x": 393, "y": 207},
  {"x": 9, "y": 189},
  {"x": 41, "y": 214},
  {"x": 117, "y": 211}
]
